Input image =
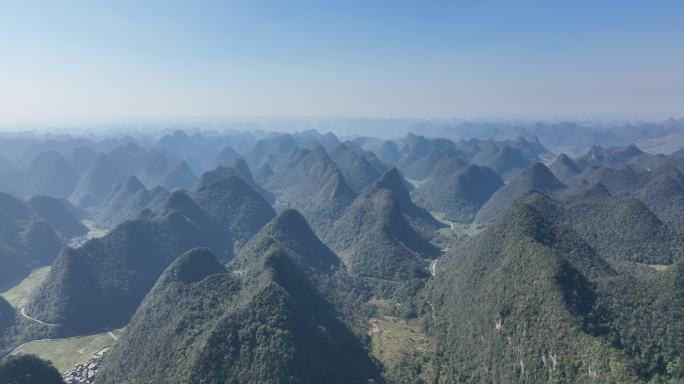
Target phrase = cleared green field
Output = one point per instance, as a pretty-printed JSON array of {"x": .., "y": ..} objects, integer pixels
[
  {"x": 64, "y": 353},
  {"x": 18, "y": 295},
  {"x": 392, "y": 336}
]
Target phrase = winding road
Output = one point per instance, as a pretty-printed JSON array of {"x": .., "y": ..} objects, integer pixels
[
  {"x": 447, "y": 222},
  {"x": 23, "y": 313}
]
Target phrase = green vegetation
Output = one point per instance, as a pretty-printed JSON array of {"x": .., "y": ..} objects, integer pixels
[
  {"x": 378, "y": 240},
  {"x": 97, "y": 182},
  {"x": 357, "y": 171},
  {"x": 18, "y": 296},
  {"x": 28, "y": 369},
  {"x": 565, "y": 169},
  {"x": 64, "y": 353},
  {"x": 505, "y": 161},
  {"x": 58, "y": 214},
  {"x": 586, "y": 192},
  {"x": 101, "y": 283},
  {"x": 50, "y": 174},
  {"x": 124, "y": 202},
  {"x": 268, "y": 325},
  {"x": 545, "y": 284},
  {"x": 621, "y": 231},
  {"x": 402, "y": 348},
  {"x": 664, "y": 196},
  {"x": 235, "y": 167},
  {"x": 313, "y": 184},
  {"x": 274, "y": 152},
  {"x": 179, "y": 176},
  {"x": 457, "y": 190},
  {"x": 613, "y": 156},
  {"x": 619, "y": 181},
  {"x": 645, "y": 318},
  {"x": 536, "y": 177},
  {"x": 512, "y": 305},
  {"x": 26, "y": 241}
]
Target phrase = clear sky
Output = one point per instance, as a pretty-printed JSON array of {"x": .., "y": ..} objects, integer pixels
[{"x": 545, "y": 59}]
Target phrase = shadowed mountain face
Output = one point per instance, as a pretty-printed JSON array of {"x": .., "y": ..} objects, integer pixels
[
  {"x": 274, "y": 152},
  {"x": 536, "y": 177},
  {"x": 375, "y": 236},
  {"x": 417, "y": 156},
  {"x": 585, "y": 192},
  {"x": 314, "y": 185},
  {"x": 235, "y": 208},
  {"x": 238, "y": 168},
  {"x": 506, "y": 160},
  {"x": 7, "y": 317},
  {"x": 81, "y": 158},
  {"x": 667, "y": 170},
  {"x": 227, "y": 156},
  {"x": 130, "y": 158},
  {"x": 358, "y": 172},
  {"x": 621, "y": 231},
  {"x": 263, "y": 174},
  {"x": 198, "y": 151},
  {"x": 422, "y": 167},
  {"x": 572, "y": 273},
  {"x": 489, "y": 293},
  {"x": 619, "y": 181},
  {"x": 155, "y": 170},
  {"x": 180, "y": 176},
  {"x": 6, "y": 166},
  {"x": 292, "y": 233},
  {"x": 599, "y": 156},
  {"x": 102, "y": 282},
  {"x": 9, "y": 325},
  {"x": 28, "y": 369},
  {"x": 389, "y": 153},
  {"x": 393, "y": 182},
  {"x": 58, "y": 214},
  {"x": 50, "y": 174},
  {"x": 665, "y": 197},
  {"x": 457, "y": 190},
  {"x": 420, "y": 155},
  {"x": 565, "y": 169},
  {"x": 541, "y": 257},
  {"x": 312, "y": 138},
  {"x": 268, "y": 325},
  {"x": 98, "y": 181},
  {"x": 27, "y": 240},
  {"x": 125, "y": 202}
]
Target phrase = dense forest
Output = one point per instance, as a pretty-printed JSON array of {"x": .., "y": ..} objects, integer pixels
[{"x": 302, "y": 258}]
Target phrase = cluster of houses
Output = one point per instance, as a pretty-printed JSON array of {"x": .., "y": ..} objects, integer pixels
[{"x": 84, "y": 373}]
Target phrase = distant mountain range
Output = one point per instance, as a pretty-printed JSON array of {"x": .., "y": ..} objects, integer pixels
[{"x": 246, "y": 257}]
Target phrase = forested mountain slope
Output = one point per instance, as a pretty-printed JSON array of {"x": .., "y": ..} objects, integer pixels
[{"x": 269, "y": 325}]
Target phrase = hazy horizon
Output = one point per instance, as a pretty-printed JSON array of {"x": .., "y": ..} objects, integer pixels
[{"x": 75, "y": 61}]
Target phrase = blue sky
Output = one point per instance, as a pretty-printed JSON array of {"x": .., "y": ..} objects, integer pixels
[{"x": 63, "y": 60}]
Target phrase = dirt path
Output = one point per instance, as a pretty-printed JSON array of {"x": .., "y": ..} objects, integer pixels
[
  {"x": 447, "y": 222},
  {"x": 23, "y": 313},
  {"x": 23, "y": 345}
]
